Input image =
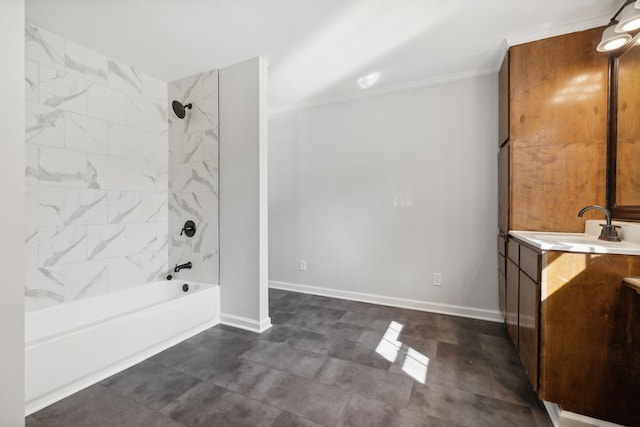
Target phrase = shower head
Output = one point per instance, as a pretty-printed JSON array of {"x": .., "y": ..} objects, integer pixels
[{"x": 179, "y": 109}]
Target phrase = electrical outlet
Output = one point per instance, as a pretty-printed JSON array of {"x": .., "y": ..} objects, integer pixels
[
  {"x": 437, "y": 279},
  {"x": 302, "y": 265}
]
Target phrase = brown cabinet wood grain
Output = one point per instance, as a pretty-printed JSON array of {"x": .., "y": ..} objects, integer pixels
[
  {"x": 557, "y": 132},
  {"x": 502, "y": 244},
  {"x": 512, "y": 300},
  {"x": 586, "y": 361},
  {"x": 567, "y": 313},
  {"x": 530, "y": 262},
  {"x": 502, "y": 271},
  {"x": 502, "y": 293},
  {"x": 574, "y": 325},
  {"x": 628, "y": 130},
  {"x": 528, "y": 327},
  {"x": 513, "y": 251},
  {"x": 504, "y": 186},
  {"x": 523, "y": 304},
  {"x": 558, "y": 91},
  {"x": 503, "y": 101}
]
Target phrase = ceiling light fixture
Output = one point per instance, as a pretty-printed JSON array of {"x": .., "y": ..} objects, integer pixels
[
  {"x": 368, "y": 80},
  {"x": 626, "y": 20}
]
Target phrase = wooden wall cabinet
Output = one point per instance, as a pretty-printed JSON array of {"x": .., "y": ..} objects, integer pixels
[{"x": 553, "y": 113}]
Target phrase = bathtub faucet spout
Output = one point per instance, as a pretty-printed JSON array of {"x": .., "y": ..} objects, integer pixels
[{"x": 186, "y": 265}]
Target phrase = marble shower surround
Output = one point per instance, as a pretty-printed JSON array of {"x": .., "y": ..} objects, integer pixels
[
  {"x": 193, "y": 176},
  {"x": 96, "y": 173}
]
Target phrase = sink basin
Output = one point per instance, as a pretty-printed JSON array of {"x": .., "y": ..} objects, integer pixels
[
  {"x": 570, "y": 238},
  {"x": 575, "y": 242}
]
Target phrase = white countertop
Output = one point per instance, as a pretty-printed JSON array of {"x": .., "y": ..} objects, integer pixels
[
  {"x": 575, "y": 242},
  {"x": 586, "y": 242}
]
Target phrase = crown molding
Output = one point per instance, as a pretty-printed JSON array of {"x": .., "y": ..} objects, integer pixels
[
  {"x": 447, "y": 78},
  {"x": 544, "y": 33}
]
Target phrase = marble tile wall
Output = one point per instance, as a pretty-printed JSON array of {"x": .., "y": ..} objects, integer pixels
[
  {"x": 193, "y": 176},
  {"x": 96, "y": 173}
]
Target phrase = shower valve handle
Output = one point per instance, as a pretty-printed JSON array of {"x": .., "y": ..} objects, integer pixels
[{"x": 189, "y": 228}]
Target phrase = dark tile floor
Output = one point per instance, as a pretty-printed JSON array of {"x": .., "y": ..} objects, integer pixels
[{"x": 325, "y": 362}]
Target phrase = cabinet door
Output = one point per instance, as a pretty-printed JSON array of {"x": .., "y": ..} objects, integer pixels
[
  {"x": 503, "y": 101},
  {"x": 557, "y": 130},
  {"x": 502, "y": 292},
  {"x": 502, "y": 279},
  {"x": 503, "y": 188},
  {"x": 529, "y": 304},
  {"x": 513, "y": 301},
  {"x": 530, "y": 262}
]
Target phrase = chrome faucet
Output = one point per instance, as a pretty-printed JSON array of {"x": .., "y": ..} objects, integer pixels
[
  {"x": 608, "y": 232},
  {"x": 186, "y": 265}
]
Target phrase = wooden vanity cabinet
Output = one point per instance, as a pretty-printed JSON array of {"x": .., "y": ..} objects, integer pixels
[
  {"x": 568, "y": 316},
  {"x": 586, "y": 359}
]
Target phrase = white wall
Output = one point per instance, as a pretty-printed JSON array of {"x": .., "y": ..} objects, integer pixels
[
  {"x": 243, "y": 195},
  {"x": 12, "y": 214},
  {"x": 378, "y": 193}
]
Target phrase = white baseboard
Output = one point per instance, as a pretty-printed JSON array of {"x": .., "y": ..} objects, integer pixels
[
  {"x": 245, "y": 323},
  {"x": 561, "y": 418},
  {"x": 554, "y": 412},
  {"x": 454, "y": 310}
]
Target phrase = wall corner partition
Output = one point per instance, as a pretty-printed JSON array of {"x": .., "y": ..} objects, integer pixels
[
  {"x": 243, "y": 195},
  {"x": 12, "y": 15}
]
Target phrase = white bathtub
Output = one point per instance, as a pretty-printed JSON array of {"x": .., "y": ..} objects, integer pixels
[{"x": 71, "y": 346}]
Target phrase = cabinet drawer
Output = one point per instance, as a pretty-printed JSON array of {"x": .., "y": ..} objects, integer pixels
[
  {"x": 501, "y": 245},
  {"x": 530, "y": 263},
  {"x": 513, "y": 251},
  {"x": 501, "y": 264}
]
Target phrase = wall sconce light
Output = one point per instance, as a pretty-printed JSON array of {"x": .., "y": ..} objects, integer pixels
[
  {"x": 611, "y": 40},
  {"x": 625, "y": 20},
  {"x": 629, "y": 19}
]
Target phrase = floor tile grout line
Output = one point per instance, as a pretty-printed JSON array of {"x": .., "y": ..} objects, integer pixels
[
  {"x": 319, "y": 381},
  {"x": 211, "y": 380},
  {"x": 133, "y": 399},
  {"x": 312, "y": 379}
]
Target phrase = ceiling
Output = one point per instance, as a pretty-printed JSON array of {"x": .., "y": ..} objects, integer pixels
[{"x": 316, "y": 49}]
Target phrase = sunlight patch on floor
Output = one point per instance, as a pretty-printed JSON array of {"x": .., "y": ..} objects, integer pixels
[
  {"x": 389, "y": 346},
  {"x": 415, "y": 364}
]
